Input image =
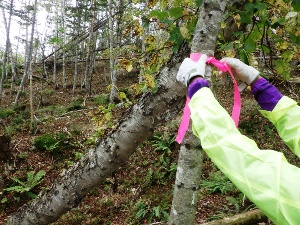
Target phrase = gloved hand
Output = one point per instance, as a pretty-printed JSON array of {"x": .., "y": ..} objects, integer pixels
[
  {"x": 189, "y": 69},
  {"x": 241, "y": 71}
]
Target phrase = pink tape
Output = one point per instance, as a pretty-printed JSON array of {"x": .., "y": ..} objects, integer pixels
[
  {"x": 185, "y": 121},
  {"x": 236, "y": 109}
]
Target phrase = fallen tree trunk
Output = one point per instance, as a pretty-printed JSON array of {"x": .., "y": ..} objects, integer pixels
[
  {"x": 247, "y": 218},
  {"x": 151, "y": 110}
]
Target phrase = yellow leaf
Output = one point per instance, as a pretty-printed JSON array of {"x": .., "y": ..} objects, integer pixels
[
  {"x": 149, "y": 81},
  {"x": 137, "y": 29},
  {"x": 230, "y": 53},
  {"x": 108, "y": 88},
  {"x": 237, "y": 19},
  {"x": 279, "y": 31},
  {"x": 126, "y": 64},
  {"x": 154, "y": 60},
  {"x": 129, "y": 67},
  {"x": 282, "y": 46},
  {"x": 185, "y": 31},
  {"x": 223, "y": 25}
]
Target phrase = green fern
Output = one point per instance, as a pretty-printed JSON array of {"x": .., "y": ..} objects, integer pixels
[
  {"x": 25, "y": 187},
  {"x": 218, "y": 182}
]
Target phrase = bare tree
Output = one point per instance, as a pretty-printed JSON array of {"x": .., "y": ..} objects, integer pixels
[
  {"x": 28, "y": 57},
  {"x": 91, "y": 43},
  {"x": 64, "y": 27},
  {"x": 55, "y": 47},
  {"x": 113, "y": 71},
  {"x": 7, "y": 47},
  {"x": 114, "y": 43}
]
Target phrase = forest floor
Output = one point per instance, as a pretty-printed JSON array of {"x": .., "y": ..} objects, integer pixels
[{"x": 140, "y": 192}]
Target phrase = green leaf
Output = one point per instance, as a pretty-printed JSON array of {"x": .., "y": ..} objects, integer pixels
[
  {"x": 281, "y": 21},
  {"x": 278, "y": 66},
  {"x": 250, "y": 45},
  {"x": 3, "y": 200},
  {"x": 176, "y": 38},
  {"x": 244, "y": 56},
  {"x": 145, "y": 22},
  {"x": 246, "y": 17},
  {"x": 159, "y": 14},
  {"x": 141, "y": 213},
  {"x": 265, "y": 49},
  {"x": 176, "y": 12},
  {"x": 199, "y": 2},
  {"x": 31, "y": 195},
  {"x": 18, "y": 181},
  {"x": 228, "y": 46},
  {"x": 156, "y": 211},
  {"x": 249, "y": 7},
  {"x": 287, "y": 55},
  {"x": 19, "y": 189},
  {"x": 167, "y": 21},
  {"x": 295, "y": 38},
  {"x": 261, "y": 6},
  {"x": 255, "y": 35},
  {"x": 296, "y": 5}
]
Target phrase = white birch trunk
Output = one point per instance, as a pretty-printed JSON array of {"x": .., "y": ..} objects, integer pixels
[
  {"x": 7, "y": 47},
  {"x": 87, "y": 74},
  {"x": 28, "y": 55},
  {"x": 55, "y": 48},
  {"x": 77, "y": 27},
  {"x": 64, "y": 42},
  {"x": 113, "y": 72},
  {"x": 75, "y": 70},
  {"x": 29, "y": 67},
  {"x": 184, "y": 204}
]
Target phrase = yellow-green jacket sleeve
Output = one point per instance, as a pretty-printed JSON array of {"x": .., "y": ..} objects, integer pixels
[
  {"x": 286, "y": 118},
  {"x": 264, "y": 176}
]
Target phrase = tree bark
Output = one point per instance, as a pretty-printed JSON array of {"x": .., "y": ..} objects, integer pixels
[
  {"x": 32, "y": 125},
  {"x": 151, "y": 110},
  {"x": 5, "y": 55},
  {"x": 184, "y": 204},
  {"x": 29, "y": 55},
  {"x": 247, "y": 218},
  {"x": 185, "y": 197},
  {"x": 56, "y": 48},
  {"x": 64, "y": 27},
  {"x": 112, "y": 58},
  {"x": 87, "y": 78}
]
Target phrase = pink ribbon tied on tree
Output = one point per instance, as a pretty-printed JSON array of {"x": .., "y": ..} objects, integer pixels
[{"x": 236, "y": 109}]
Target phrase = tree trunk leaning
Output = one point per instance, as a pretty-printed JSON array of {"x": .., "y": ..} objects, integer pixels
[{"x": 68, "y": 190}]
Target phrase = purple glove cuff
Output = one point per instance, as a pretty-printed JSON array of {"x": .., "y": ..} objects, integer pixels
[
  {"x": 196, "y": 85},
  {"x": 266, "y": 94}
]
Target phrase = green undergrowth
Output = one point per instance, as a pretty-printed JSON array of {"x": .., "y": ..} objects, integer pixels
[
  {"x": 15, "y": 120},
  {"x": 140, "y": 192}
]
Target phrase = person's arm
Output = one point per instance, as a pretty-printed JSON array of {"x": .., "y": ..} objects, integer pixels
[
  {"x": 282, "y": 111},
  {"x": 264, "y": 176}
]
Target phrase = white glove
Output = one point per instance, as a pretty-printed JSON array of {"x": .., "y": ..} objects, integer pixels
[
  {"x": 240, "y": 70},
  {"x": 189, "y": 69}
]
